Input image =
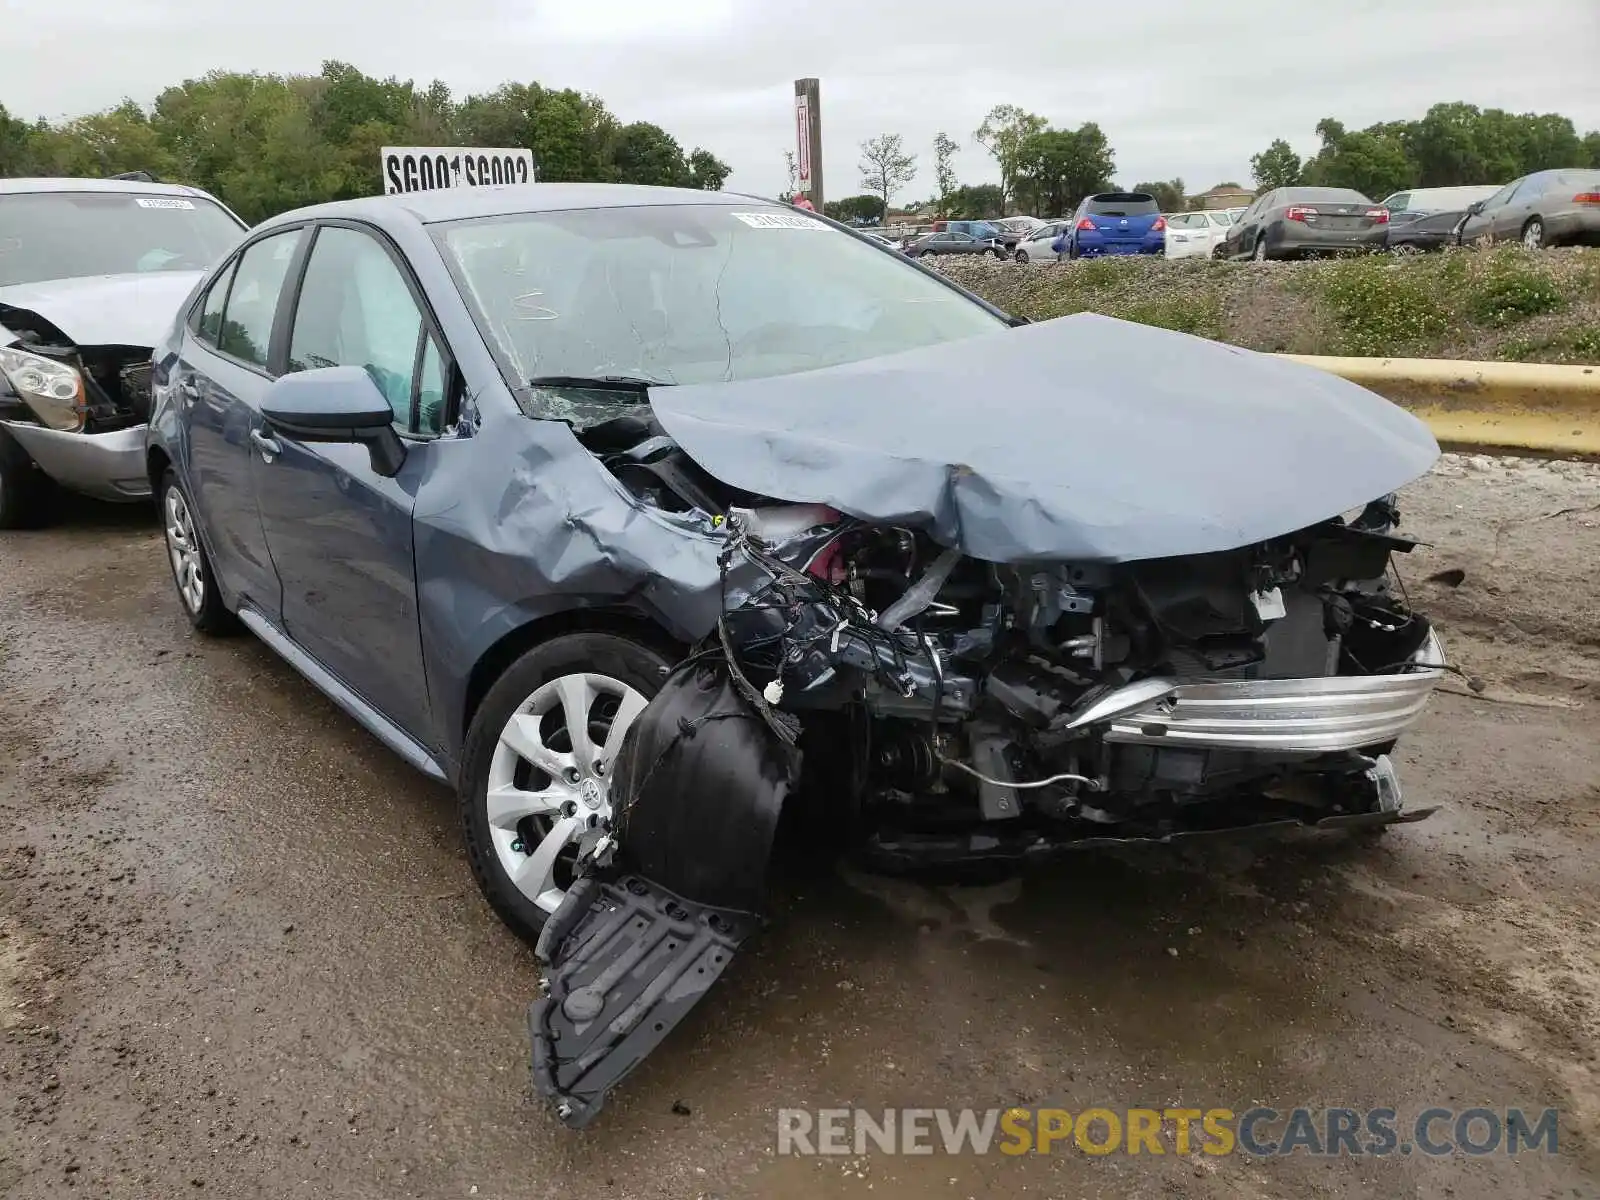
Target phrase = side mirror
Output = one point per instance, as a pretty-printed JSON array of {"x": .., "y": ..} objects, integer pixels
[
  {"x": 1474, "y": 208},
  {"x": 336, "y": 404}
]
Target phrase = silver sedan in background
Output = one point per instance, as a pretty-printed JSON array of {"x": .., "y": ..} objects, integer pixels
[{"x": 1547, "y": 208}]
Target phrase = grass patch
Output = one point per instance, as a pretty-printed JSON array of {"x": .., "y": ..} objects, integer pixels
[
  {"x": 1503, "y": 303},
  {"x": 1378, "y": 307},
  {"x": 1510, "y": 290}
]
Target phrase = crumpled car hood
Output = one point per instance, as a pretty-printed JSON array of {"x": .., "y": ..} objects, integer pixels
[
  {"x": 104, "y": 310},
  {"x": 1084, "y": 438}
]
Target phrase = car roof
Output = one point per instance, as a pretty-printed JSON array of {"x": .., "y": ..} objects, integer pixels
[
  {"x": 70, "y": 184},
  {"x": 456, "y": 204}
]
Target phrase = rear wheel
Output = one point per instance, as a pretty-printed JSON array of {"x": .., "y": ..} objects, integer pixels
[
  {"x": 536, "y": 769},
  {"x": 24, "y": 488},
  {"x": 1533, "y": 234}
]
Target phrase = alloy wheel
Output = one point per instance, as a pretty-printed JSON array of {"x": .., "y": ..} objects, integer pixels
[
  {"x": 1533, "y": 235},
  {"x": 550, "y": 778},
  {"x": 183, "y": 548}
]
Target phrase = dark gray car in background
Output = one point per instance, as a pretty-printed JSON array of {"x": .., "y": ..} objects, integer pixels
[
  {"x": 1293, "y": 222},
  {"x": 1547, "y": 208},
  {"x": 645, "y": 516}
]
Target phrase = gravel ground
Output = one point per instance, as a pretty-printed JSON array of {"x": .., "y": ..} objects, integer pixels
[{"x": 240, "y": 953}]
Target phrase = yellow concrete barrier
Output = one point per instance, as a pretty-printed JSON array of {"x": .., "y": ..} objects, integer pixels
[{"x": 1505, "y": 408}]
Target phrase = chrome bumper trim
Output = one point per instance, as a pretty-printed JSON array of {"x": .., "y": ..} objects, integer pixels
[{"x": 1342, "y": 712}]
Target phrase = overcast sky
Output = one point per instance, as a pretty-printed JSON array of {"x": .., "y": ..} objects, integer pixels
[{"x": 1188, "y": 88}]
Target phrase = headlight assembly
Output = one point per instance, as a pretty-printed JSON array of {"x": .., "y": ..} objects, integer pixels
[{"x": 52, "y": 389}]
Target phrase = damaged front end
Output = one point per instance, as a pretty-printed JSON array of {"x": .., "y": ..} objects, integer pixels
[
  {"x": 1016, "y": 609},
  {"x": 78, "y": 410},
  {"x": 977, "y": 713}
]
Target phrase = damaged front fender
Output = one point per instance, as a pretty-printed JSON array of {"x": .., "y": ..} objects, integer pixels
[{"x": 699, "y": 786}]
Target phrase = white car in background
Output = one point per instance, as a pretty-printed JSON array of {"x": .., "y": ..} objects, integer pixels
[
  {"x": 1035, "y": 247},
  {"x": 1196, "y": 234}
]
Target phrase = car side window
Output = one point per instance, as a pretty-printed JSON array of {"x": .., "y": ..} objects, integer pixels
[
  {"x": 208, "y": 325},
  {"x": 246, "y": 332},
  {"x": 355, "y": 310}
]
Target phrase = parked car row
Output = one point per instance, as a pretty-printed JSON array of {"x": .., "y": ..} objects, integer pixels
[{"x": 1546, "y": 208}]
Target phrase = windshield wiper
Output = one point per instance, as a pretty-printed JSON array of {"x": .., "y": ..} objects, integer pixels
[{"x": 598, "y": 383}]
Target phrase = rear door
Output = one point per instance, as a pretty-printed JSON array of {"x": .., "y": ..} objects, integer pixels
[
  {"x": 339, "y": 532},
  {"x": 219, "y": 380}
]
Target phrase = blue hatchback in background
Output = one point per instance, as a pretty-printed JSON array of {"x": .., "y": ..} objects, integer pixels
[{"x": 1115, "y": 223}]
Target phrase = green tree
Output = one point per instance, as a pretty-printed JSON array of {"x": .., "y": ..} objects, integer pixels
[
  {"x": 706, "y": 170},
  {"x": 886, "y": 167},
  {"x": 16, "y": 145},
  {"x": 646, "y": 153},
  {"x": 1589, "y": 154},
  {"x": 1276, "y": 166},
  {"x": 944, "y": 173},
  {"x": 1002, "y": 134},
  {"x": 1059, "y": 167},
  {"x": 855, "y": 209},
  {"x": 1372, "y": 161},
  {"x": 973, "y": 202},
  {"x": 1169, "y": 195}
]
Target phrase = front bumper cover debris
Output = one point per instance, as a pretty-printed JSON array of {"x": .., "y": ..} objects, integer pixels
[
  {"x": 698, "y": 785},
  {"x": 625, "y": 962}
]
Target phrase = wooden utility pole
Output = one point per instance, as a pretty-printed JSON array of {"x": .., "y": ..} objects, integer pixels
[{"x": 808, "y": 139}]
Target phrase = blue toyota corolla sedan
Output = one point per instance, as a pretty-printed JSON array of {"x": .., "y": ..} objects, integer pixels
[{"x": 642, "y": 516}]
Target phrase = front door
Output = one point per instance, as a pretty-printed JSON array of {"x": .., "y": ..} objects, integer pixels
[
  {"x": 339, "y": 532},
  {"x": 219, "y": 379}
]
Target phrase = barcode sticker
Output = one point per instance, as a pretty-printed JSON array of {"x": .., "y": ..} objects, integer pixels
[
  {"x": 163, "y": 202},
  {"x": 778, "y": 221}
]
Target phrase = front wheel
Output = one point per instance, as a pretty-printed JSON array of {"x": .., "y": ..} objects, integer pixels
[
  {"x": 191, "y": 565},
  {"x": 1259, "y": 254},
  {"x": 999, "y": 254},
  {"x": 1533, "y": 234},
  {"x": 536, "y": 768},
  {"x": 1021, "y": 256}
]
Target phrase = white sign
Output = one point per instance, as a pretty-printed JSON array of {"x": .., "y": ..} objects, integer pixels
[
  {"x": 163, "y": 202},
  {"x": 802, "y": 124},
  {"x": 763, "y": 220},
  {"x": 424, "y": 168}
]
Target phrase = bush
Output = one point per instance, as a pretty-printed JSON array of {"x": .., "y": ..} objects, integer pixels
[
  {"x": 1379, "y": 308},
  {"x": 1510, "y": 290}
]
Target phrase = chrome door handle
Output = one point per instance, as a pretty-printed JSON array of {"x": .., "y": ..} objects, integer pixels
[{"x": 267, "y": 444}]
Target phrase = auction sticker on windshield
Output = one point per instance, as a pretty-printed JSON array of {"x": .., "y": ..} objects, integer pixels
[
  {"x": 162, "y": 202},
  {"x": 424, "y": 168},
  {"x": 779, "y": 221}
]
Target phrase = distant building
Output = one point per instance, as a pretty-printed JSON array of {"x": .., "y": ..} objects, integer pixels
[{"x": 1222, "y": 197}]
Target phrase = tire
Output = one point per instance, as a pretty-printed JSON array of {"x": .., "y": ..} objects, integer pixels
[
  {"x": 536, "y": 833},
  {"x": 999, "y": 254},
  {"x": 1021, "y": 256},
  {"x": 25, "y": 490},
  {"x": 1258, "y": 252},
  {"x": 192, "y": 575},
  {"x": 1072, "y": 250},
  {"x": 1533, "y": 234}
]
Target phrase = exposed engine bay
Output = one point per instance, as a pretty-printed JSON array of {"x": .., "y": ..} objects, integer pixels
[
  {"x": 943, "y": 711},
  {"x": 116, "y": 379}
]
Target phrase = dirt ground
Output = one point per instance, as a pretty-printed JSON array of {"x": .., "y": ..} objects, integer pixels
[{"x": 241, "y": 955}]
